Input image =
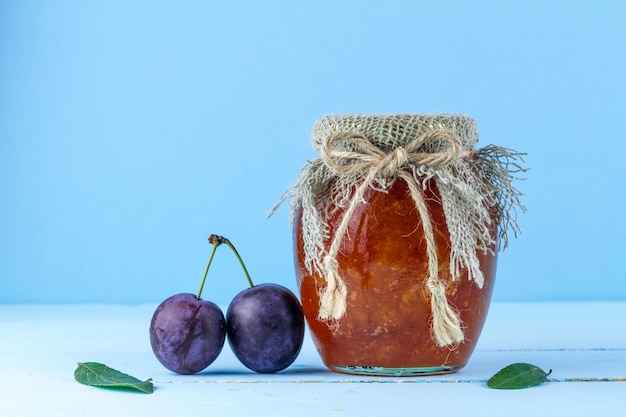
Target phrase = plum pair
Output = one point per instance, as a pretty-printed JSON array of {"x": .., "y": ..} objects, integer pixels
[{"x": 264, "y": 325}]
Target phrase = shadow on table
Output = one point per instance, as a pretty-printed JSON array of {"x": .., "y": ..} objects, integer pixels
[{"x": 292, "y": 370}]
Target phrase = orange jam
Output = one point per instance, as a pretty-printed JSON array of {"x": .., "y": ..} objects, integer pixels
[{"x": 383, "y": 261}]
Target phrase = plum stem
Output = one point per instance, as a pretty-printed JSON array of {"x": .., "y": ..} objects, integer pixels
[
  {"x": 217, "y": 240},
  {"x": 206, "y": 271}
]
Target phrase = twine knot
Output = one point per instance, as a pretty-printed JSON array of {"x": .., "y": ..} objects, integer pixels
[
  {"x": 350, "y": 152},
  {"x": 353, "y": 153},
  {"x": 394, "y": 162}
]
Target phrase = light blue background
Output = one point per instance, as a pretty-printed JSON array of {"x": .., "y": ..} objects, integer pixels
[{"x": 130, "y": 131}]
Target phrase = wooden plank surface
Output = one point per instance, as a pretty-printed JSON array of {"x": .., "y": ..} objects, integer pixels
[{"x": 583, "y": 343}]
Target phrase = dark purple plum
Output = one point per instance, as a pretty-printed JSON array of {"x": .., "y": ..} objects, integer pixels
[
  {"x": 265, "y": 327},
  {"x": 187, "y": 333}
]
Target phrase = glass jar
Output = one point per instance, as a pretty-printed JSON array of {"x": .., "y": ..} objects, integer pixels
[
  {"x": 386, "y": 329},
  {"x": 399, "y": 217}
]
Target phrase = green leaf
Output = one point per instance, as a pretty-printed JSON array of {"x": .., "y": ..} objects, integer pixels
[
  {"x": 518, "y": 376},
  {"x": 98, "y": 375}
]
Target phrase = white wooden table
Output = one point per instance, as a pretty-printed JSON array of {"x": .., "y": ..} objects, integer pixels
[{"x": 583, "y": 343}]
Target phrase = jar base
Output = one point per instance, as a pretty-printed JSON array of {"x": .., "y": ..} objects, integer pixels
[{"x": 382, "y": 371}]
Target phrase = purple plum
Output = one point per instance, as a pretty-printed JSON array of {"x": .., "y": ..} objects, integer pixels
[
  {"x": 187, "y": 334},
  {"x": 265, "y": 327}
]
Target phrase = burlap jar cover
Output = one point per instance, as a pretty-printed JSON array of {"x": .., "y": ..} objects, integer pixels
[{"x": 358, "y": 152}]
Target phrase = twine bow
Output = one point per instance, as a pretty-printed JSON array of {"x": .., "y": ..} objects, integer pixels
[{"x": 362, "y": 156}]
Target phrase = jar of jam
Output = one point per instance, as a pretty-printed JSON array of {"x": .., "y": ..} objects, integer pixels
[{"x": 396, "y": 232}]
